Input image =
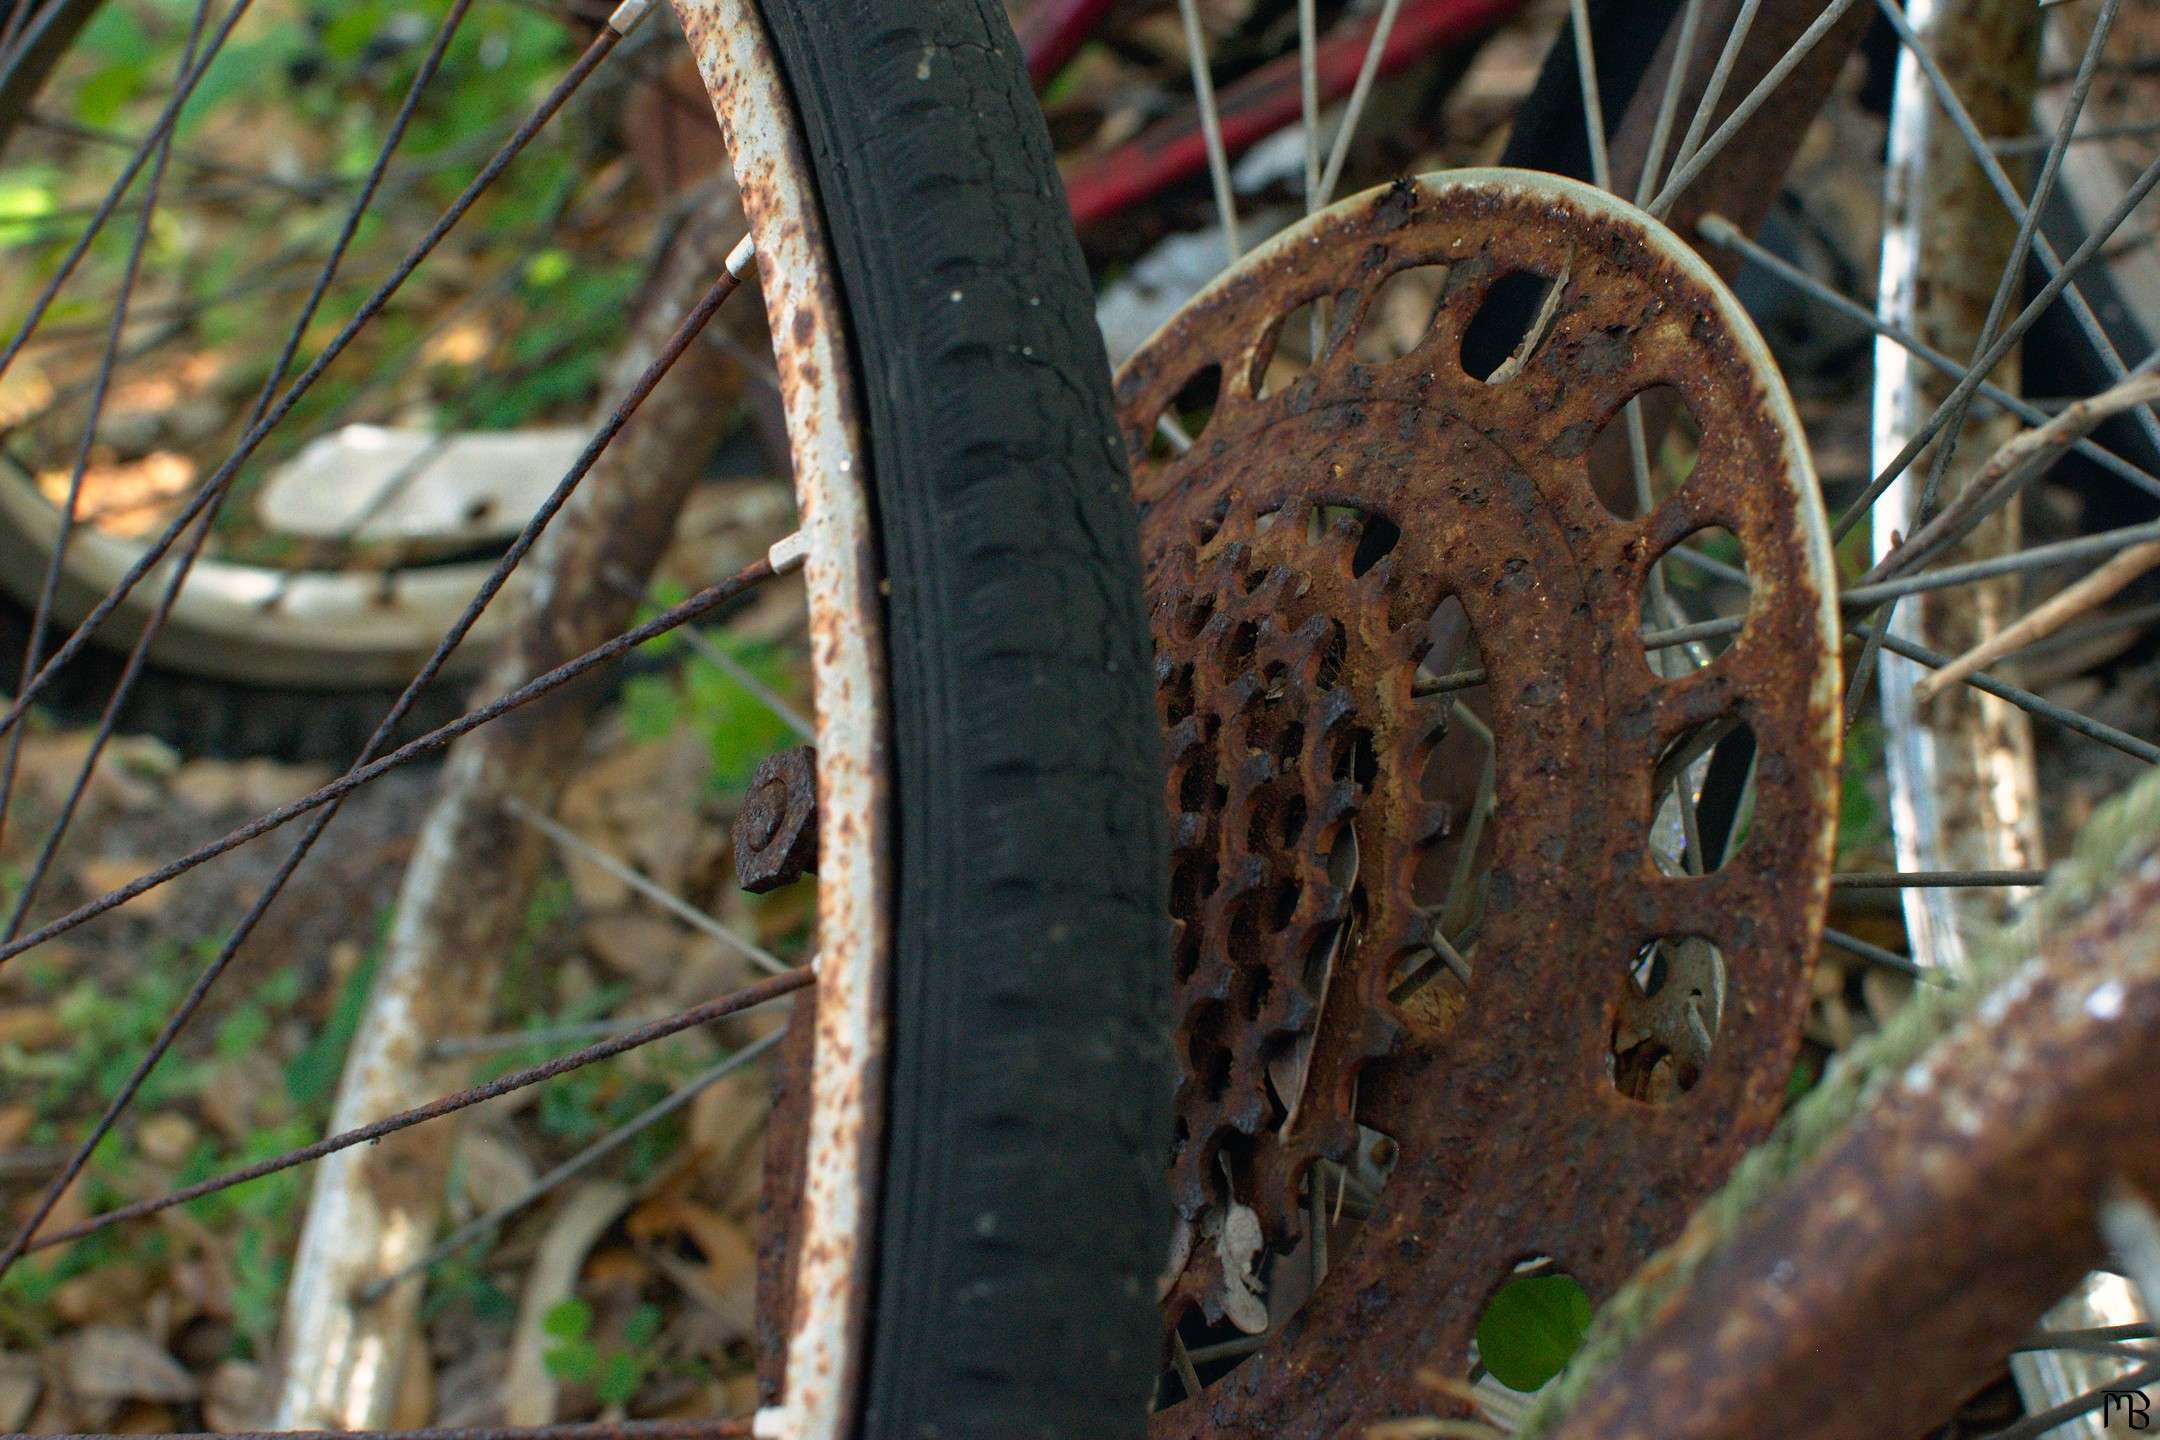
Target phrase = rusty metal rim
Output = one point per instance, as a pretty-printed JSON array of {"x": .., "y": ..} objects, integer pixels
[{"x": 823, "y": 418}]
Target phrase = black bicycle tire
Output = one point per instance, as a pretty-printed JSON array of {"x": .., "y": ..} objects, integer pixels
[{"x": 1022, "y": 1218}]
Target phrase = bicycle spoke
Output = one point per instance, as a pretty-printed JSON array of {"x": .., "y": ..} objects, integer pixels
[
  {"x": 2012, "y": 333},
  {"x": 55, "y": 564},
  {"x": 1722, "y": 232},
  {"x": 209, "y": 164},
  {"x": 17, "y": 18},
  {"x": 564, "y": 88},
  {"x": 1861, "y": 598},
  {"x": 2031, "y": 144},
  {"x": 1684, "y": 173},
  {"x": 2013, "y": 272},
  {"x": 1877, "y": 955},
  {"x": 1368, "y": 71},
  {"x": 703, "y": 602},
  {"x": 576, "y": 1165},
  {"x": 1936, "y": 879},
  {"x": 764, "y": 992},
  {"x": 2106, "y": 734},
  {"x": 1308, "y": 36},
  {"x": 2099, "y": 1334},
  {"x": 2045, "y": 619},
  {"x": 574, "y": 844},
  {"x": 1586, "y": 83},
  {"x": 198, "y": 535},
  {"x": 1714, "y": 88},
  {"x": 1669, "y": 101},
  {"x": 742, "y": 675},
  {"x": 728, "y": 282},
  {"x": 182, "y": 92},
  {"x": 1961, "y": 121},
  {"x": 1196, "y": 52}
]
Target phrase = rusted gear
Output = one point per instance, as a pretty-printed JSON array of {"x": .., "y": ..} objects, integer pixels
[{"x": 1298, "y": 556}]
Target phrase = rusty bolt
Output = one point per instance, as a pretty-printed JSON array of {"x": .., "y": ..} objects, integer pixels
[{"x": 776, "y": 829}]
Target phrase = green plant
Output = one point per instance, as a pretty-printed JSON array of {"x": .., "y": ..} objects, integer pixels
[
  {"x": 107, "y": 1035},
  {"x": 739, "y": 728},
  {"x": 1531, "y": 1328},
  {"x": 615, "y": 1375},
  {"x": 311, "y": 1076},
  {"x": 1862, "y": 825}
]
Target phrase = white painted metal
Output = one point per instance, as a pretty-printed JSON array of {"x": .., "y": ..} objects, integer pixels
[{"x": 836, "y": 1213}]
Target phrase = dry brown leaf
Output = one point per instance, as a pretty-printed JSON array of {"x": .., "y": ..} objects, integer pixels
[
  {"x": 727, "y": 1113},
  {"x": 416, "y": 1385},
  {"x": 166, "y": 1137},
  {"x": 237, "y": 1397},
  {"x": 143, "y": 1419},
  {"x": 494, "y": 1169},
  {"x": 635, "y": 944},
  {"x": 33, "y": 1027},
  {"x": 100, "y": 873},
  {"x": 529, "y": 1391},
  {"x": 20, "y": 1383},
  {"x": 123, "y": 497},
  {"x": 112, "y": 1362},
  {"x": 218, "y": 786}
]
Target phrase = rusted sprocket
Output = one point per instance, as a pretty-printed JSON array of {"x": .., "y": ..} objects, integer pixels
[{"x": 1301, "y": 556}]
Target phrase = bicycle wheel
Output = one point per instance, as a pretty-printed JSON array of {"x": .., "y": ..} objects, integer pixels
[
  {"x": 979, "y": 1219},
  {"x": 1350, "y": 443}
]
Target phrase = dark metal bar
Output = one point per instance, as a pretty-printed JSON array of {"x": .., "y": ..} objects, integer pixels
[
  {"x": 1875, "y": 954},
  {"x": 1935, "y": 879}
]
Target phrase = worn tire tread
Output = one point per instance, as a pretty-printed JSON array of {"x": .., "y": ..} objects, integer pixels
[{"x": 1022, "y": 1220}]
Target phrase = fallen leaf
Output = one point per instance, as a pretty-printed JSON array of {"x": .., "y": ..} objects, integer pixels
[
  {"x": 20, "y": 1383},
  {"x": 33, "y": 1027},
  {"x": 237, "y": 1397},
  {"x": 495, "y": 1170},
  {"x": 529, "y": 1391},
  {"x": 218, "y": 786},
  {"x": 634, "y": 944},
  {"x": 103, "y": 873},
  {"x": 112, "y": 1362},
  {"x": 1239, "y": 1244},
  {"x": 166, "y": 1137}
]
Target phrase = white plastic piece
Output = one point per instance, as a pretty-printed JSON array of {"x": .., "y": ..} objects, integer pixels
[
  {"x": 373, "y": 482},
  {"x": 739, "y": 258},
  {"x": 627, "y": 15},
  {"x": 788, "y": 552}
]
